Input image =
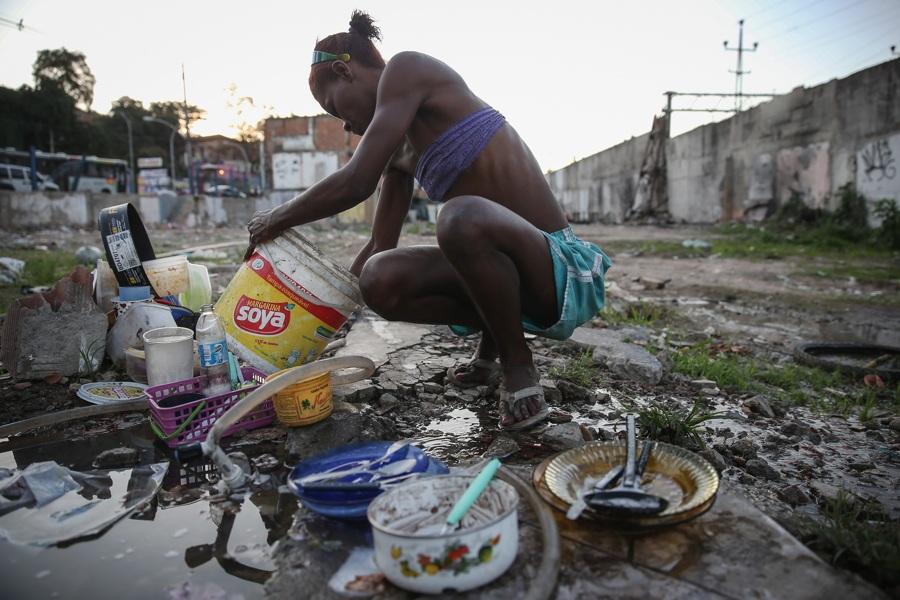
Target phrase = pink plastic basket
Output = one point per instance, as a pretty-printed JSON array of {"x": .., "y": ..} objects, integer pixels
[{"x": 190, "y": 422}]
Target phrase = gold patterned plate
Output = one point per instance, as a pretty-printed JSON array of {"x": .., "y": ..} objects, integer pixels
[{"x": 683, "y": 478}]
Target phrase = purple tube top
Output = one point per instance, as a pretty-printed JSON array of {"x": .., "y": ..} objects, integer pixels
[{"x": 455, "y": 150}]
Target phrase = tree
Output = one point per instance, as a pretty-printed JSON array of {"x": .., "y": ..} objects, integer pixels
[
  {"x": 174, "y": 112},
  {"x": 69, "y": 71},
  {"x": 249, "y": 117}
]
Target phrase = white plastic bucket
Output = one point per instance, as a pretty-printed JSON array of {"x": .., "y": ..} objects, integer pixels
[{"x": 285, "y": 303}]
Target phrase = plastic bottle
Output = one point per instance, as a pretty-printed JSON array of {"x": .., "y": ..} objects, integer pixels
[{"x": 213, "y": 352}]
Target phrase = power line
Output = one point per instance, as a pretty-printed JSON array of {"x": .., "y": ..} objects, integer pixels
[
  {"x": 854, "y": 59},
  {"x": 850, "y": 30},
  {"x": 816, "y": 20},
  {"x": 19, "y": 25},
  {"x": 780, "y": 18}
]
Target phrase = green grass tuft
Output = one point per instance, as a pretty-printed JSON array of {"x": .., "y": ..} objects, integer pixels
[
  {"x": 856, "y": 536},
  {"x": 580, "y": 370},
  {"x": 675, "y": 426}
]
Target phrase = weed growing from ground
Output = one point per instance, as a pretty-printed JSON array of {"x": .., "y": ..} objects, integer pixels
[
  {"x": 856, "y": 536},
  {"x": 790, "y": 383},
  {"x": 637, "y": 313},
  {"x": 580, "y": 370},
  {"x": 675, "y": 426}
]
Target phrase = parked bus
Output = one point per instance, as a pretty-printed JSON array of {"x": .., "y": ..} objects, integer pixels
[{"x": 72, "y": 172}]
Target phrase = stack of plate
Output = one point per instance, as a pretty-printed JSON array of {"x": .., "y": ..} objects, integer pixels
[
  {"x": 345, "y": 502},
  {"x": 683, "y": 478}
]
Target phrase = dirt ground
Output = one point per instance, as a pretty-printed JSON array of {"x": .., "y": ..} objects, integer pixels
[{"x": 791, "y": 438}]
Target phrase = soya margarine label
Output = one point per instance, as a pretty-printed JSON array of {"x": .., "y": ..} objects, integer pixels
[{"x": 272, "y": 320}]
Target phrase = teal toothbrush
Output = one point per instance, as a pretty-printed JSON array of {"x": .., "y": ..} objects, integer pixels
[{"x": 472, "y": 493}]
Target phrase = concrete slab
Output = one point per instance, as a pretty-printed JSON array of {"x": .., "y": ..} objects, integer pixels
[
  {"x": 733, "y": 551},
  {"x": 373, "y": 337}
]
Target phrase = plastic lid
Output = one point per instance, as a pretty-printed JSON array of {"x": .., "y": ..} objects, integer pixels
[{"x": 111, "y": 392}]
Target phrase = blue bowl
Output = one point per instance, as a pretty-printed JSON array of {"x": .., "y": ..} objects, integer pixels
[
  {"x": 357, "y": 510},
  {"x": 341, "y": 456}
]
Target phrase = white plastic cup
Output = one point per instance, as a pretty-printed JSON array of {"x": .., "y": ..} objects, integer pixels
[{"x": 169, "y": 354}]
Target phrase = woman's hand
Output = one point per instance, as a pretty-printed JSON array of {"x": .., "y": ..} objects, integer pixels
[{"x": 263, "y": 226}]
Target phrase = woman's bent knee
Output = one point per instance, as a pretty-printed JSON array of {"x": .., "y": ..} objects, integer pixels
[
  {"x": 380, "y": 284},
  {"x": 461, "y": 223}
]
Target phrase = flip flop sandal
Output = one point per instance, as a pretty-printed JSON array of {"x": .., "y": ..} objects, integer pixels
[
  {"x": 508, "y": 401},
  {"x": 479, "y": 363}
]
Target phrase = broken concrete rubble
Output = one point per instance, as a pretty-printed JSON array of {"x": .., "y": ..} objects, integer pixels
[
  {"x": 563, "y": 436},
  {"x": 622, "y": 358},
  {"x": 61, "y": 331}
]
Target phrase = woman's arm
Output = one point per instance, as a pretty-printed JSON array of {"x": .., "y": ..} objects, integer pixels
[
  {"x": 392, "y": 207},
  {"x": 400, "y": 93}
]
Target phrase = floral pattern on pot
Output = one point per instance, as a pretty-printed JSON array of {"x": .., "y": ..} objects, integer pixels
[{"x": 456, "y": 558}]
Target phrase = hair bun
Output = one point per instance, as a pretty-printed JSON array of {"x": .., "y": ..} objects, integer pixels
[{"x": 363, "y": 24}]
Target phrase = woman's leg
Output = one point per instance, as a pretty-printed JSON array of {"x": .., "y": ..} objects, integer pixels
[
  {"x": 490, "y": 267},
  {"x": 505, "y": 265}
]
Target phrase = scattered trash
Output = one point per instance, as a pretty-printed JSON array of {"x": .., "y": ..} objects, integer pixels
[
  {"x": 10, "y": 269},
  {"x": 111, "y": 392},
  {"x": 873, "y": 381},
  {"x": 88, "y": 255},
  {"x": 199, "y": 291},
  {"x": 115, "y": 458},
  {"x": 129, "y": 327},
  {"x": 698, "y": 244},
  {"x": 168, "y": 276},
  {"x": 127, "y": 243},
  {"x": 62, "y": 331},
  {"x": 359, "y": 576},
  {"x": 54, "y": 504}
]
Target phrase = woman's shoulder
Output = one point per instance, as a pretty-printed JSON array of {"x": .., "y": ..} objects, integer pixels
[{"x": 418, "y": 64}]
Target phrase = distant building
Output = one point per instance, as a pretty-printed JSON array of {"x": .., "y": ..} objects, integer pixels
[
  {"x": 300, "y": 151},
  {"x": 220, "y": 160}
]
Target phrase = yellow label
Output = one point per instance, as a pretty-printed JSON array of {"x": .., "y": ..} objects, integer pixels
[{"x": 271, "y": 320}]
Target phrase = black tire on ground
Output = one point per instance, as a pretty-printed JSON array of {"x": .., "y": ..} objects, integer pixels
[{"x": 816, "y": 354}]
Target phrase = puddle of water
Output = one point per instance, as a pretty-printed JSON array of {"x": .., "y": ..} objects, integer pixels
[
  {"x": 178, "y": 538},
  {"x": 446, "y": 436}
]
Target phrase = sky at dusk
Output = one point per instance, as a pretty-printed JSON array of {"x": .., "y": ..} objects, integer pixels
[{"x": 572, "y": 77}]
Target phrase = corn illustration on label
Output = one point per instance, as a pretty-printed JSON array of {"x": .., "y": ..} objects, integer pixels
[{"x": 271, "y": 322}]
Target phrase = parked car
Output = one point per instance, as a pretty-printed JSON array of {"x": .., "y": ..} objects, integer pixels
[
  {"x": 18, "y": 178},
  {"x": 226, "y": 191}
]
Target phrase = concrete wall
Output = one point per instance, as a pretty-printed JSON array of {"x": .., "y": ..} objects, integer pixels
[
  {"x": 52, "y": 210},
  {"x": 807, "y": 143},
  {"x": 600, "y": 187}
]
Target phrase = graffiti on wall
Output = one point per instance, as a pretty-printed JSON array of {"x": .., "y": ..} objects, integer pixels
[
  {"x": 803, "y": 172},
  {"x": 877, "y": 161},
  {"x": 876, "y": 169}
]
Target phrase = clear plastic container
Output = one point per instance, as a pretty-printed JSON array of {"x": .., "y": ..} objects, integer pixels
[
  {"x": 169, "y": 354},
  {"x": 199, "y": 290},
  {"x": 213, "y": 352},
  {"x": 168, "y": 276}
]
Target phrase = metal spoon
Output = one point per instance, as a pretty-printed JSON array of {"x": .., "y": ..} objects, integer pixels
[{"x": 628, "y": 498}]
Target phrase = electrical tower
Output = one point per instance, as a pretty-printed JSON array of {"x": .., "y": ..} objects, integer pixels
[{"x": 739, "y": 72}]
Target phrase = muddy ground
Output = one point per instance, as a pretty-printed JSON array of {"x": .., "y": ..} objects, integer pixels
[{"x": 791, "y": 438}]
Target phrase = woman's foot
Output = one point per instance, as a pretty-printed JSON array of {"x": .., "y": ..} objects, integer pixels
[
  {"x": 522, "y": 401},
  {"x": 483, "y": 369},
  {"x": 478, "y": 371}
]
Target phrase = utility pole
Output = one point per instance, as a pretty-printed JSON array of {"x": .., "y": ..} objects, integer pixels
[
  {"x": 187, "y": 126},
  {"x": 739, "y": 72},
  {"x": 132, "y": 181}
]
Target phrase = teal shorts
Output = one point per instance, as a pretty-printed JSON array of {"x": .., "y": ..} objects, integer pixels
[{"x": 579, "y": 271}]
